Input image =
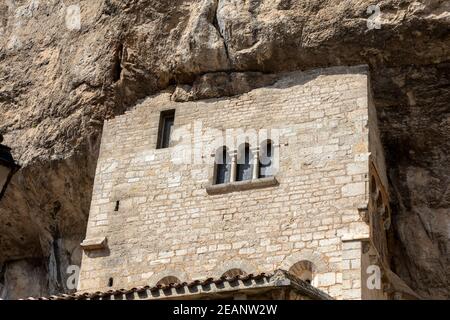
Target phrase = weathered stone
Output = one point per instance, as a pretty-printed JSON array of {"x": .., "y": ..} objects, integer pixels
[
  {"x": 59, "y": 83},
  {"x": 94, "y": 244},
  {"x": 236, "y": 225}
]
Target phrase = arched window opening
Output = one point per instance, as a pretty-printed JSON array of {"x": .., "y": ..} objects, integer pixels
[
  {"x": 244, "y": 163},
  {"x": 373, "y": 186},
  {"x": 386, "y": 219},
  {"x": 379, "y": 200},
  {"x": 223, "y": 166},
  {"x": 266, "y": 159},
  {"x": 169, "y": 280},
  {"x": 232, "y": 273},
  {"x": 304, "y": 270}
]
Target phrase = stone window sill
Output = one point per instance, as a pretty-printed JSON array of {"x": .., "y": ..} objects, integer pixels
[
  {"x": 94, "y": 244},
  {"x": 241, "y": 185}
]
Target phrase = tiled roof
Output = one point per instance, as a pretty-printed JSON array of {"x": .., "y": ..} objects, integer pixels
[{"x": 279, "y": 278}]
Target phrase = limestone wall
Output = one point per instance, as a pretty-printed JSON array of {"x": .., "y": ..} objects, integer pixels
[{"x": 167, "y": 224}]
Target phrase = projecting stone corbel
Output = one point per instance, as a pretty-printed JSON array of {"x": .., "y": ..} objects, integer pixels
[
  {"x": 363, "y": 211},
  {"x": 94, "y": 244}
]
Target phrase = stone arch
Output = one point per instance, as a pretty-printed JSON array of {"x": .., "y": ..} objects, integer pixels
[
  {"x": 245, "y": 266},
  {"x": 167, "y": 275},
  {"x": 319, "y": 261},
  {"x": 234, "y": 273},
  {"x": 168, "y": 280},
  {"x": 304, "y": 270}
]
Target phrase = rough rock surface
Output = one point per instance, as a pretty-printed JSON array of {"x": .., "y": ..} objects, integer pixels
[{"x": 60, "y": 80}]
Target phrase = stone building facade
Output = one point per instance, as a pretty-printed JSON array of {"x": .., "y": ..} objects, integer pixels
[{"x": 158, "y": 215}]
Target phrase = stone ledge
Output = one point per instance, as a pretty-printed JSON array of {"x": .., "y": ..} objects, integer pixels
[
  {"x": 94, "y": 244},
  {"x": 355, "y": 237},
  {"x": 241, "y": 185}
]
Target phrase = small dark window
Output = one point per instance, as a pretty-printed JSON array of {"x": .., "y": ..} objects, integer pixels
[
  {"x": 166, "y": 122},
  {"x": 116, "y": 208},
  {"x": 110, "y": 282},
  {"x": 223, "y": 166},
  {"x": 244, "y": 163},
  {"x": 266, "y": 160}
]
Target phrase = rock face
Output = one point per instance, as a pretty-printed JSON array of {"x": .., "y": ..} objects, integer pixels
[{"x": 65, "y": 66}]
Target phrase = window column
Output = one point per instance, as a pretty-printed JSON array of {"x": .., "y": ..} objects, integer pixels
[
  {"x": 233, "y": 167},
  {"x": 255, "y": 164}
]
